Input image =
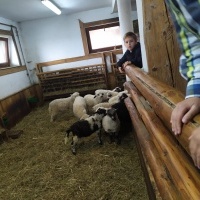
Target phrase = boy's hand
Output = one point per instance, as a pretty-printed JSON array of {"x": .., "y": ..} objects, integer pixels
[
  {"x": 184, "y": 112},
  {"x": 121, "y": 70},
  {"x": 126, "y": 63},
  {"x": 194, "y": 146}
]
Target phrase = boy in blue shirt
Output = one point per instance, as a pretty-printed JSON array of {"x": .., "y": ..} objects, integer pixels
[{"x": 133, "y": 54}]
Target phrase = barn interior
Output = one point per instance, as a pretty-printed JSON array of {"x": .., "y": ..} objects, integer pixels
[{"x": 46, "y": 56}]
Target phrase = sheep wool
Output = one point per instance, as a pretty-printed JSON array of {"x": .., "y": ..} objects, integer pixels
[{"x": 61, "y": 105}]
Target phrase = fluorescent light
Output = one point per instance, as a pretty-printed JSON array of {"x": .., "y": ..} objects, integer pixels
[{"x": 51, "y": 6}]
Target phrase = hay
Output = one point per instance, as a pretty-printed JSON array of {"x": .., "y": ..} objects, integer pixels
[{"x": 38, "y": 166}]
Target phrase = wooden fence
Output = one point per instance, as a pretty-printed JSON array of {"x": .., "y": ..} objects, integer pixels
[
  {"x": 84, "y": 79},
  {"x": 166, "y": 155},
  {"x": 67, "y": 81}
]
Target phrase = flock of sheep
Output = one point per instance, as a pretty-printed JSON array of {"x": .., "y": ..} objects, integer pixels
[{"x": 105, "y": 110}]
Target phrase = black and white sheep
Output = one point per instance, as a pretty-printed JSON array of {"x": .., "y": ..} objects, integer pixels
[
  {"x": 115, "y": 99},
  {"x": 61, "y": 105},
  {"x": 122, "y": 113},
  {"x": 86, "y": 127},
  {"x": 111, "y": 125}
]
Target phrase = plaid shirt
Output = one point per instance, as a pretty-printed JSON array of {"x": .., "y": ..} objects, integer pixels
[{"x": 186, "y": 17}]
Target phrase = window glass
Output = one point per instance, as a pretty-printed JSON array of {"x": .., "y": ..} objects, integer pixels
[
  {"x": 105, "y": 37},
  {"x": 4, "y": 56},
  {"x": 3, "y": 52}
]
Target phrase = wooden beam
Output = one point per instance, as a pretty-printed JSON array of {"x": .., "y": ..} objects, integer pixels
[
  {"x": 181, "y": 170},
  {"x": 12, "y": 70},
  {"x": 163, "y": 99},
  {"x": 159, "y": 169}
]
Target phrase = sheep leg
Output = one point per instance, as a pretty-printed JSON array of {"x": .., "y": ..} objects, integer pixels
[
  {"x": 53, "y": 116},
  {"x": 111, "y": 137},
  {"x": 118, "y": 138},
  {"x": 99, "y": 137},
  {"x": 74, "y": 144}
]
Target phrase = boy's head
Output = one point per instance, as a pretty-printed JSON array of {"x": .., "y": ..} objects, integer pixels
[{"x": 130, "y": 40}]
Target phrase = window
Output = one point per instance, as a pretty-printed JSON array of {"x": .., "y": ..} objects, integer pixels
[
  {"x": 101, "y": 35},
  {"x": 4, "y": 55},
  {"x": 103, "y": 38}
]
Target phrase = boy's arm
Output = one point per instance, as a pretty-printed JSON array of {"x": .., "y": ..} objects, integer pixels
[{"x": 122, "y": 60}]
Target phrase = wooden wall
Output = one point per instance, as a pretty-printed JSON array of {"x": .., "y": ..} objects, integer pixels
[
  {"x": 16, "y": 106},
  {"x": 161, "y": 44}
]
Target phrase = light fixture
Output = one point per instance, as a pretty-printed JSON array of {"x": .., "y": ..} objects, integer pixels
[{"x": 51, "y": 6}]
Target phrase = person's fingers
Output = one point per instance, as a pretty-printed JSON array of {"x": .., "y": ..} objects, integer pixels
[
  {"x": 190, "y": 114},
  {"x": 176, "y": 118},
  {"x": 120, "y": 70}
]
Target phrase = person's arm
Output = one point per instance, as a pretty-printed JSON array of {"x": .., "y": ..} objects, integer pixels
[
  {"x": 121, "y": 62},
  {"x": 186, "y": 20}
]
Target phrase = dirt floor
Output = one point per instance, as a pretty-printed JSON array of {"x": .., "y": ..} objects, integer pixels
[{"x": 39, "y": 166}]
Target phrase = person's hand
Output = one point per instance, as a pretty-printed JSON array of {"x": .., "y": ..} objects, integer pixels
[
  {"x": 194, "y": 146},
  {"x": 126, "y": 63},
  {"x": 184, "y": 112},
  {"x": 121, "y": 70}
]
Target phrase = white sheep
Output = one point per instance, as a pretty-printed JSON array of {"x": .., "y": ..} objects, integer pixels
[
  {"x": 111, "y": 94},
  {"x": 80, "y": 108},
  {"x": 92, "y": 100},
  {"x": 105, "y": 92},
  {"x": 116, "y": 99},
  {"x": 85, "y": 127},
  {"x": 117, "y": 89},
  {"x": 111, "y": 124},
  {"x": 103, "y": 104},
  {"x": 61, "y": 105}
]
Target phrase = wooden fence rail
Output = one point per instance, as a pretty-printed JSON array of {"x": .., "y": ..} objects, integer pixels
[
  {"x": 67, "y": 81},
  {"x": 167, "y": 155}
]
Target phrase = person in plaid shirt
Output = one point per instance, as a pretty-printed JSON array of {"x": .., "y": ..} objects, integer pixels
[{"x": 186, "y": 18}]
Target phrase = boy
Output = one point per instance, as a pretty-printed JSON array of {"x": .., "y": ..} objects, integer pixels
[{"x": 133, "y": 54}]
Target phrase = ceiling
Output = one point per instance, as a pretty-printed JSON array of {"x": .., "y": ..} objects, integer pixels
[{"x": 23, "y": 10}]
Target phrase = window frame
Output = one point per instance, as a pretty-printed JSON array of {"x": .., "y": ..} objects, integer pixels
[
  {"x": 86, "y": 27},
  {"x": 96, "y": 28},
  {"x": 6, "y": 64}
]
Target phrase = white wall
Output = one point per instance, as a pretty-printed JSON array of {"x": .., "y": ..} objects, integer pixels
[
  {"x": 49, "y": 39},
  {"x": 15, "y": 82},
  {"x": 139, "y": 4},
  {"x": 59, "y": 37}
]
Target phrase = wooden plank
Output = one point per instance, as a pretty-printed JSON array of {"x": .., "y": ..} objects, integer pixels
[
  {"x": 162, "y": 49},
  {"x": 163, "y": 99},
  {"x": 161, "y": 174},
  {"x": 183, "y": 172},
  {"x": 11, "y": 70},
  {"x": 67, "y": 60},
  {"x": 84, "y": 37}
]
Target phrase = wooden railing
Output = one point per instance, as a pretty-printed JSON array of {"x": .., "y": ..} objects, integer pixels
[
  {"x": 58, "y": 79},
  {"x": 67, "y": 81},
  {"x": 167, "y": 155}
]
